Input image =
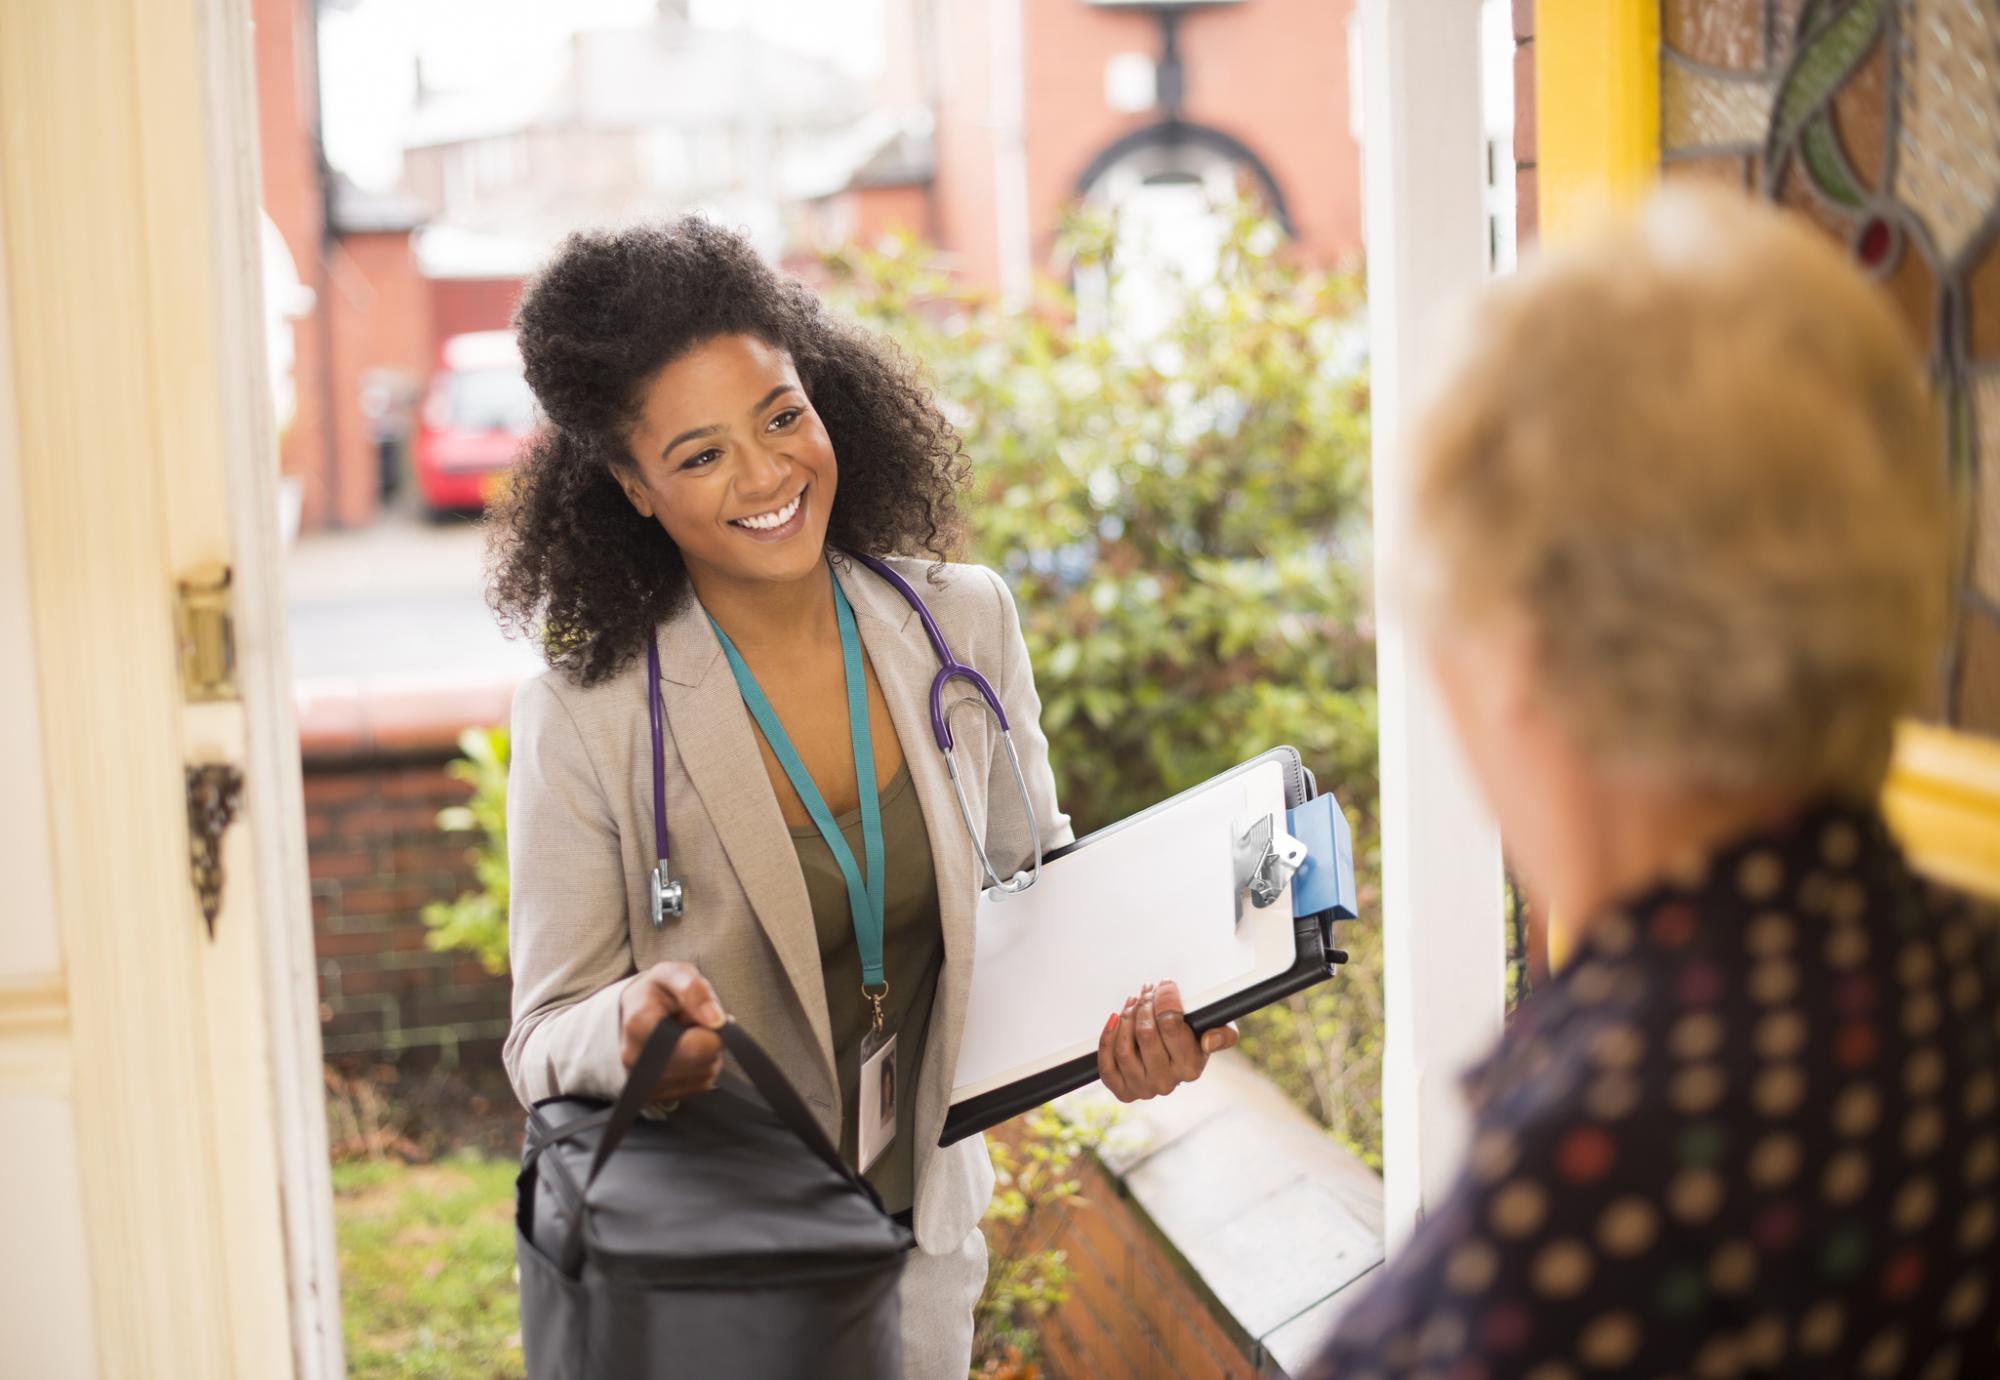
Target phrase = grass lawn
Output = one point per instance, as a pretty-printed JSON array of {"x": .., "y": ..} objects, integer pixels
[{"x": 427, "y": 1269}]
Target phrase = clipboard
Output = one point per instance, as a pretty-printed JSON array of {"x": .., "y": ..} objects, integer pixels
[{"x": 1242, "y": 876}]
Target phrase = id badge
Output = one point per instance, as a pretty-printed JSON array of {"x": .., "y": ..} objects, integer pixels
[{"x": 876, "y": 1111}]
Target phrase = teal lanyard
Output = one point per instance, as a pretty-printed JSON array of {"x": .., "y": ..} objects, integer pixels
[{"x": 864, "y": 898}]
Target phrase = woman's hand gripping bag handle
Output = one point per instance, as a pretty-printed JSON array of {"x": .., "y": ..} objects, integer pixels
[
  {"x": 731, "y": 1238},
  {"x": 759, "y": 1067}
]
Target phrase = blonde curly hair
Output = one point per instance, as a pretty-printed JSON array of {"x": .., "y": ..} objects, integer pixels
[{"x": 1697, "y": 454}]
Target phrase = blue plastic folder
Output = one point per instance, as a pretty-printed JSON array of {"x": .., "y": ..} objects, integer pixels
[{"x": 1324, "y": 883}]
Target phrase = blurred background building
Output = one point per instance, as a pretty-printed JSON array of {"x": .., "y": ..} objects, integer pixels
[
  {"x": 631, "y": 123},
  {"x": 1013, "y": 109},
  {"x": 972, "y": 125}
]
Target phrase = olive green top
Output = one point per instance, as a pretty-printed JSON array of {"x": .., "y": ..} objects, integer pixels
[{"x": 912, "y": 957}]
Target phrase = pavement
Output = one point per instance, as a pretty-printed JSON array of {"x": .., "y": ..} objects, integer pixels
[
  {"x": 392, "y": 642},
  {"x": 405, "y": 597}
]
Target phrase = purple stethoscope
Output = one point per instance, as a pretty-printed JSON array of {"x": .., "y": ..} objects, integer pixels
[{"x": 669, "y": 894}]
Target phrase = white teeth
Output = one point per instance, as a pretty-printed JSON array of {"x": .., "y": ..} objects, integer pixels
[{"x": 764, "y": 522}]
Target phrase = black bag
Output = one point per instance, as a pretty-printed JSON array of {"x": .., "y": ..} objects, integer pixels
[{"x": 727, "y": 1239}]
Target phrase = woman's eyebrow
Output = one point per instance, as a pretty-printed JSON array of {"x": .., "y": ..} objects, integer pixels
[
  {"x": 773, "y": 396},
  {"x": 692, "y": 433},
  {"x": 715, "y": 428}
]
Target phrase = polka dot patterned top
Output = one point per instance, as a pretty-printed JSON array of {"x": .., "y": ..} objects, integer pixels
[{"x": 1749, "y": 1130}]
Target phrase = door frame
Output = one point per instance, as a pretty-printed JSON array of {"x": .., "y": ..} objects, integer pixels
[
  {"x": 264, "y": 661},
  {"x": 141, "y": 437},
  {"x": 1444, "y": 940}
]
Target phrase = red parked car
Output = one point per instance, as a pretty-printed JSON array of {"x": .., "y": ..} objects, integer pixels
[{"x": 475, "y": 417}]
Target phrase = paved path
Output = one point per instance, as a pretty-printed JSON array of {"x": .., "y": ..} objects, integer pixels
[{"x": 399, "y": 603}]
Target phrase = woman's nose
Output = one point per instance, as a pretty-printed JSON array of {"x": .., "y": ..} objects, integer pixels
[{"x": 764, "y": 471}]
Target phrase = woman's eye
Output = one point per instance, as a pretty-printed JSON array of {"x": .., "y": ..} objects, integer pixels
[
  {"x": 785, "y": 418},
  {"x": 707, "y": 457}
]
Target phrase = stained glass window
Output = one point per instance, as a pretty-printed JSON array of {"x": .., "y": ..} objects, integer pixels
[{"x": 1880, "y": 120}]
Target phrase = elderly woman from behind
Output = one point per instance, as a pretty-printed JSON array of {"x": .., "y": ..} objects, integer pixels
[{"x": 1680, "y": 539}]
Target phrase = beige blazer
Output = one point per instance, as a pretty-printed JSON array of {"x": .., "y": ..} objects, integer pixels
[{"x": 580, "y": 838}]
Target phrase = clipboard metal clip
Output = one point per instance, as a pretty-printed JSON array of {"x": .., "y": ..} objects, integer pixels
[{"x": 1266, "y": 859}]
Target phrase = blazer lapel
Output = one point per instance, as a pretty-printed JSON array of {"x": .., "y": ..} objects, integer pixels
[
  {"x": 716, "y": 741},
  {"x": 905, "y": 665}
]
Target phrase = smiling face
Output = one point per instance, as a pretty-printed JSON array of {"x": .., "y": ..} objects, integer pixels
[{"x": 730, "y": 458}]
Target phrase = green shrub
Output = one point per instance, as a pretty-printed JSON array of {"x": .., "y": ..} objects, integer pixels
[
  {"x": 1185, "y": 527},
  {"x": 476, "y": 921}
]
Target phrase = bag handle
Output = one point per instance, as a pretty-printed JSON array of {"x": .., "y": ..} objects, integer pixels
[
  {"x": 764, "y": 1075},
  {"x": 637, "y": 1092}
]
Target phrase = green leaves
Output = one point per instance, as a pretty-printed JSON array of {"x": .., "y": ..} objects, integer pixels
[
  {"x": 1173, "y": 514},
  {"x": 476, "y": 921},
  {"x": 1037, "y": 1167},
  {"x": 1184, "y": 524}
]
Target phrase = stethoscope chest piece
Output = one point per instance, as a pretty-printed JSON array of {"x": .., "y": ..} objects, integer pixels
[{"x": 669, "y": 898}]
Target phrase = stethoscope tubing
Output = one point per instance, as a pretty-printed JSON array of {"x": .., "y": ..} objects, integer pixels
[
  {"x": 669, "y": 897},
  {"x": 668, "y": 894}
]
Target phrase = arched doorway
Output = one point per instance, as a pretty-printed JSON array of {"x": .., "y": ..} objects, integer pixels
[{"x": 1170, "y": 190}]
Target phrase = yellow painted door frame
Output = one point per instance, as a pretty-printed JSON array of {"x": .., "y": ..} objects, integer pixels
[{"x": 1597, "y": 109}]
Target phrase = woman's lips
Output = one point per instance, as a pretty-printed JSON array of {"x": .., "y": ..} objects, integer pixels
[{"x": 790, "y": 527}]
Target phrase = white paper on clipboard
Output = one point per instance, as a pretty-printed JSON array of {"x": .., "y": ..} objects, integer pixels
[{"x": 1152, "y": 900}]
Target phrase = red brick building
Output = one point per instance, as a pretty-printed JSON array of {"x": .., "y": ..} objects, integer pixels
[
  {"x": 366, "y": 345},
  {"x": 1034, "y": 104},
  {"x": 994, "y": 116}
]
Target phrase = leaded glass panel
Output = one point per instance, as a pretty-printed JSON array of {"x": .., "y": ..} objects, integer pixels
[{"x": 1880, "y": 121}]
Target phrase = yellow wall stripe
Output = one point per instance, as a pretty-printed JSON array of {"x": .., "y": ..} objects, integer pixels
[
  {"x": 1597, "y": 107},
  {"x": 1597, "y": 118}
]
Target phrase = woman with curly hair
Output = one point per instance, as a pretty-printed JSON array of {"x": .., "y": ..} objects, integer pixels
[{"x": 717, "y": 450}]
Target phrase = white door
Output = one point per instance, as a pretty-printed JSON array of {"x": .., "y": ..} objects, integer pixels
[{"x": 163, "y": 1190}]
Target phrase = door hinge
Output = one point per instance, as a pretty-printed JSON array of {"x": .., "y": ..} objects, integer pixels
[
  {"x": 213, "y": 793},
  {"x": 206, "y": 631}
]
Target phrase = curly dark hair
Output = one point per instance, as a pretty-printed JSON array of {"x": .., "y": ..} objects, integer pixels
[{"x": 573, "y": 564}]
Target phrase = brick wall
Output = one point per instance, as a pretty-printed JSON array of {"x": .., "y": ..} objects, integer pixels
[
  {"x": 1132, "y": 1313},
  {"x": 395, "y": 330},
  {"x": 287, "y": 126},
  {"x": 376, "y": 856},
  {"x": 1272, "y": 74},
  {"x": 381, "y": 323},
  {"x": 458, "y": 305}
]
